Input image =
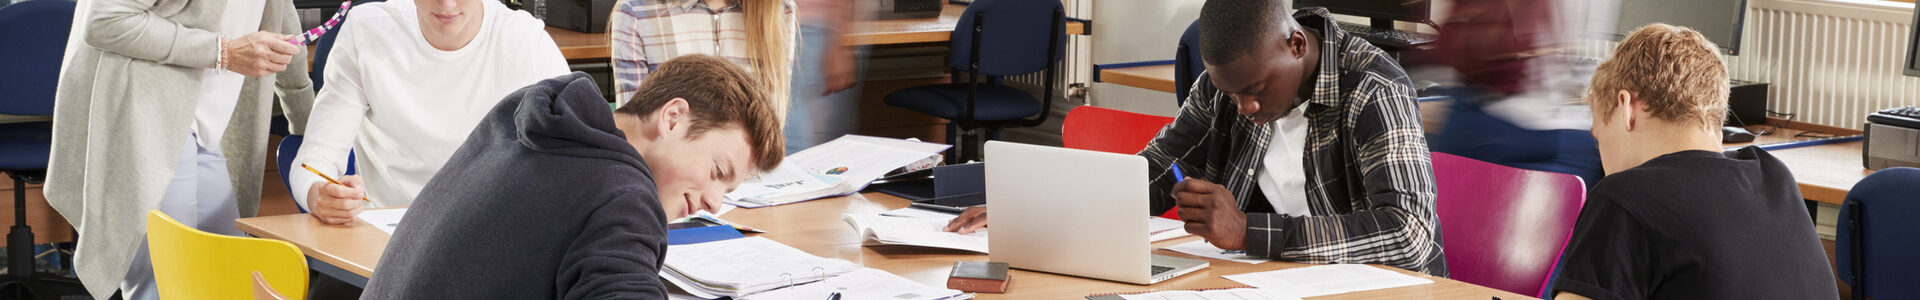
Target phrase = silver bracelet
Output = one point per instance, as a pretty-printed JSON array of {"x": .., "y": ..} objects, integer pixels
[{"x": 220, "y": 55}]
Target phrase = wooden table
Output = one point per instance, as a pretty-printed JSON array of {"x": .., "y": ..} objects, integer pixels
[
  {"x": 1152, "y": 77},
  {"x": 578, "y": 46},
  {"x": 581, "y": 46},
  {"x": 1825, "y": 172},
  {"x": 815, "y": 227}
]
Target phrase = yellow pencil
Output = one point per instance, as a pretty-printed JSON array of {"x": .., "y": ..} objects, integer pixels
[{"x": 329, "y": 179}]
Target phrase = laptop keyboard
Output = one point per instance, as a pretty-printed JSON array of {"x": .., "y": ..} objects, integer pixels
[{"x": 1161, "y": 269}]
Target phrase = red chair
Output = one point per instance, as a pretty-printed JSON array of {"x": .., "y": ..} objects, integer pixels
[
  {"x": 1504, "y": 227},
  {"x": 1110, "y": 130}
]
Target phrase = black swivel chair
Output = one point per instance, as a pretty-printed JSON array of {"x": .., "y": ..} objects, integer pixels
[
  {"x": 994, "y": 38},
  {"x": 35, "y": 37}
]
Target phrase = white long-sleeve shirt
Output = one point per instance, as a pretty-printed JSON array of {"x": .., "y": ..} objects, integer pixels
[{"x": 405, "y": 106}]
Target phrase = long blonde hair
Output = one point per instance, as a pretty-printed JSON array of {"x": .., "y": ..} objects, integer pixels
[
  {"x": 770, "y": 47},
  {"x": 772, "y": 57}
]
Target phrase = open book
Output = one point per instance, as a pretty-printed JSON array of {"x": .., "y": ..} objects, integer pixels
[
  {"x": 880, "y": 230},
  {"x": 744, "y": 266},
  {"x": 840, "y": 167}
]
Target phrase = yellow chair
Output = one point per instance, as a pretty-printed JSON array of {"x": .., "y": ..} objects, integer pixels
[{"x": 193, "y": 264}]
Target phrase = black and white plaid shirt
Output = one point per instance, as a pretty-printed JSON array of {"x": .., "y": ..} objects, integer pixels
[{"x": 1369, "y": 178}]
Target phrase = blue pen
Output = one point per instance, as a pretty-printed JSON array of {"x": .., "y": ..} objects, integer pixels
[{"x": 1176, "y": 171}]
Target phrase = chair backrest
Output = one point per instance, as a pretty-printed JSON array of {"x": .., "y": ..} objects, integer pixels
[
  {"x": 1504, "y": 227},
  {"x": 193, "y": 264},
  {"x": 1889, "y": 235},
  {"x": 35, "y": 35},
  {"x": 1012, "y": 40},
  {"x": 1186, "y": 63},
  {"x": 1110, "y": 130},
  {"x": 323, "y": 46},
  {"x": 283, "y": 161}
]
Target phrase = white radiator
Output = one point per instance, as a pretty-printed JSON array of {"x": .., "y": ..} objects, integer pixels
[{"x": 1830, "y": 62}]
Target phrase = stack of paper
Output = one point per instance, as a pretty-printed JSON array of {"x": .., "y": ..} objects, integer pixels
[
  {"x": 1220, "y": 294},
  {"x": 842, "y": 166},
  {"x": 877, "y": 230},
  {"x": 745, "y": 266},
  {"x": 1161, "y": 229},
  {"x": 1203, "y": 249},
  {"x": 1328, "y": 279},
  {"x": 865, "y": 283}
]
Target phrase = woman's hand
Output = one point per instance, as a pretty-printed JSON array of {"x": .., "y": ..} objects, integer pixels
[{"x": 257, "y": 54}]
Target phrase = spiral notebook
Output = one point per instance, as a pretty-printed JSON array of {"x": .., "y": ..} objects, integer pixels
[{"x": 744, "y": 266}]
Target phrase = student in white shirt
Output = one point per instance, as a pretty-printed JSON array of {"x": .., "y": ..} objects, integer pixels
[{"x": 406, "y": 82}]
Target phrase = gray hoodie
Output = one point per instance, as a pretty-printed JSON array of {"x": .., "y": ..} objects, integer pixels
[{"x": 546, "y": 200}]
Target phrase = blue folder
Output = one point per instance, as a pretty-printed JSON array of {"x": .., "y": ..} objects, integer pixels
[{"x": 701, "y": 235}]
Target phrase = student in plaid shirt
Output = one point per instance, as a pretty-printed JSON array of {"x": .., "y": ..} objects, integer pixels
[
  {"x": 757, "y": 34},
  {"x": 1301, "y": 143}
]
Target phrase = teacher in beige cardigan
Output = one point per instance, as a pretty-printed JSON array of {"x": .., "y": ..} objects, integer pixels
[{"x": 165, "y": 104}]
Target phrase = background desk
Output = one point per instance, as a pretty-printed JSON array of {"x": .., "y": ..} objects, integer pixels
[
  {"x": 1825, "y": 172},
  {"x": 815, "y": 227},
  {"x": 1152, "y": 77},
  {"x": 579, "y": 46}
]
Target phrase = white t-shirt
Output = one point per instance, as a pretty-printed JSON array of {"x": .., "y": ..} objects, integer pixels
[
  {"x": 220, "y": 89},
  {"x": 1283, "y": 175},
  {"x": 405, "y": 106}
]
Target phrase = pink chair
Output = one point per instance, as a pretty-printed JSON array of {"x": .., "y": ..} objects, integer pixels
[{"x": 1504, "y": 227}]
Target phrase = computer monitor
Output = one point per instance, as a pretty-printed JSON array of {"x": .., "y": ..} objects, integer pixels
[
  {"x": 1383, "y": 12},
  {"x": 1912, "y": 68},
  {"x": 1719, "y": 20}
]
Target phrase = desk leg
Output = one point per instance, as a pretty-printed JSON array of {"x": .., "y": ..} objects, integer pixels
[{"x": 349, "y": 277}]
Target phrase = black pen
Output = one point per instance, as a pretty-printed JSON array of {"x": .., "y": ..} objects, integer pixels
[{"x": 833, "y": 296}]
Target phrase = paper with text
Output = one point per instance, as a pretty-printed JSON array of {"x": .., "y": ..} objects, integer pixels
[
  {"x": 386, "y": 220},
  {"x": 867, "y": 283},
  {"x": 1203, "y": 249},
  {"x": 1227, "y": 294},
  {"x": 1328, "y": 279}
]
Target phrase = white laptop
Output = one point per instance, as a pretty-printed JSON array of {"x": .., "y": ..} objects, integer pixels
[{"x": 1073, "y": 212}]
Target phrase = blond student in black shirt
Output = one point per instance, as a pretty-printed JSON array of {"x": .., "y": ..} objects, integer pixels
[{"x": 1676, "y": 217}]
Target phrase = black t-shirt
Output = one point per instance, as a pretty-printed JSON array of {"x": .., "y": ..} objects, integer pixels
[{"x": 1697, "y": 225}]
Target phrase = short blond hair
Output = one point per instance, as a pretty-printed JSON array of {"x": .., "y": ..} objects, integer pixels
[{"x": 1673, "y": 69}]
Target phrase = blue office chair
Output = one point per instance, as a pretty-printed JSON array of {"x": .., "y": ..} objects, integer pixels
[
  {"x": 289, "y": 143},
  {"x": 1186, "y": 63},
  {"x": 1008, "y": 30},
  {"x": 35, "y": 35},
  {"x": 1878, "y": 235}
]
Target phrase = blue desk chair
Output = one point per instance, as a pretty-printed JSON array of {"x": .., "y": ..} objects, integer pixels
[
  {"x": 290, "y": 144},
  {"x": 1878, "y": 235},
  {"x": 35, "y": 35},
  {"x": 1008, "y": 30},
  {"x": 1186, "y": 63}
]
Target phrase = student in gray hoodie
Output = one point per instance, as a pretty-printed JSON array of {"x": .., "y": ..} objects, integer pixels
[{"x": 554, "y": 196}]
